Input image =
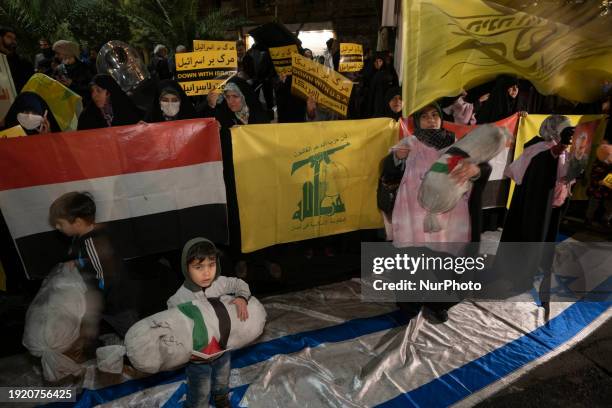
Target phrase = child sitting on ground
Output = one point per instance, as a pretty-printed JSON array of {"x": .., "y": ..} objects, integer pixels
[
  {"x": 203, "y": 281},
  {"x": 74, "y": 214}
]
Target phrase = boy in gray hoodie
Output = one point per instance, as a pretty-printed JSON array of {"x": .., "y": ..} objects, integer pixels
[{"x": 203, "y": 281}]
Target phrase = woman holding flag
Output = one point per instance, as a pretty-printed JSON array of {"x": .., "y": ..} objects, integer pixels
[{"x": 416, "y": 154}]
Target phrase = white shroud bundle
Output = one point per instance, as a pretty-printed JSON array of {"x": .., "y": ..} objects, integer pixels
[
  {"x": 53, "y": 321},
  {"x": 165, "y": 340},
  {"x": 439, "y": 193}
]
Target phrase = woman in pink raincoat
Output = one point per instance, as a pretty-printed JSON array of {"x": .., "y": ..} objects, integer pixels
[{"x": 461, "y": 224}]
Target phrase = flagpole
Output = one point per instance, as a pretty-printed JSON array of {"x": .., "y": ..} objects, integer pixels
[{"x": 404, "y": 5}]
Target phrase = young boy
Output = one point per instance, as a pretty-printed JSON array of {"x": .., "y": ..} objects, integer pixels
[
  {"x": 203, "y": 281},
  {"x": 74, "y": 215}
]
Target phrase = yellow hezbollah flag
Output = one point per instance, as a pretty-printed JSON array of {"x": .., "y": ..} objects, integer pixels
[
  {"x": 15, "y": 131},
  {"x": 65, "y": 104},
  {"x": 563, "y": 49},
  {"x": 590, "y": 126},
  {"x": 297, "y": 181}
]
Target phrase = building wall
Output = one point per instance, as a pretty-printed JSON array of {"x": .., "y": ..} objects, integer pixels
[{"x": 352, "y": 20}]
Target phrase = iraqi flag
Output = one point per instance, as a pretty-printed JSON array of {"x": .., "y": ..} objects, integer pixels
[{"x": 155, "y": 186}]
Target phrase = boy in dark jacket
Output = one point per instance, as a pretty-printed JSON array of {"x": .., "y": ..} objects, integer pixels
[
  {"x": 74, "y": 214},
  {"x": 203, "y": 282}
]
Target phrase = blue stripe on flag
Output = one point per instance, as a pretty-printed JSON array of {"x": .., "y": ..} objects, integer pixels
[
  {"x": 249, "y": 355},
  {"x": 475, "y": 375},
  {"x": 441, "y": 391},
  {"x": 90, "y": 398},
  {"x": 295, "y": 342}
]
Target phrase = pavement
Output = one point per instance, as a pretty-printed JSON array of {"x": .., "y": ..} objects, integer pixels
[{"x": 579, "y": 377}]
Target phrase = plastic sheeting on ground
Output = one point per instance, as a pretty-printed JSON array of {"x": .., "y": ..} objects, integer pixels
[{"x": 323, "y": 347}]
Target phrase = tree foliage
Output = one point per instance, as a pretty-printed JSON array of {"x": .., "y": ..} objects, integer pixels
[
  {"x": 177, "y": 22},
  {"x": 32, "y": 19},
  {"x": 94, "y": 22},
  {"x": 142, "y": 23}
]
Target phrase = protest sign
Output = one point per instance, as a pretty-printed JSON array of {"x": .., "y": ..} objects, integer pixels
[
  {"x": 351, "y": 57},
  {"x": 281, "y": 58},
  {"x": 327, "y": 87},
  {"x": 204, "y": 71}
]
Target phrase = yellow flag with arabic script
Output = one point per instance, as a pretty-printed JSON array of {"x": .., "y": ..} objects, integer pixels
[
  {"x": 65, "y": 104},
  {"x": 562, "y": 48},
  {"x": 297, "y": 181}
]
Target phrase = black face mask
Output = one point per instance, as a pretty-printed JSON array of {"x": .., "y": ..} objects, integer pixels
[{"x": 436, "y": 138}]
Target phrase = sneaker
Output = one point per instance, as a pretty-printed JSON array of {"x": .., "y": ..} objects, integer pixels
[
  {"x": 439, "y": 316},
  {"x": 409, "y": 309}
]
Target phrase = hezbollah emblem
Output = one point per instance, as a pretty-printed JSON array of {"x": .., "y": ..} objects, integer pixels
[{"x": 321, "y": 195}]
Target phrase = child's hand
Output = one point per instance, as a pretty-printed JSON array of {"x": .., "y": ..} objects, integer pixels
[
  {"x": 464, "y": 172},
  {"x": 241, "y": 308}
]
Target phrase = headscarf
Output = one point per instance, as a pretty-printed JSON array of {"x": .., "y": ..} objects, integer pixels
[
  {"x": 170, "y": 86},
  {"x": 227, "y": 118},
  {"x": 381, "y": 81},
  {"x": 124, "y": 112},
  {"x": 385, "y": 110},
  {"x": 551, "y": 127},
  {"x": 550, "y": 131},
  {"x": 243, "y": 113},
  {"x": 436, "y": 138},
  {"x": 499, "y": 105},
  {"x": 30, "y": 101}
]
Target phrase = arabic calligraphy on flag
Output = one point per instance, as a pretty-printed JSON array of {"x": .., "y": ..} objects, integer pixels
[
  {"x": 562, "y": 48},
  {"x": 297, "y": 181},
  {"x": 203, "y": 71}
]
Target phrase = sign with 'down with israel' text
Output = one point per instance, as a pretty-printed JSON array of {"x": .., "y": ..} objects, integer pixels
[
  {"x": 351, "y": 57},
  {"x": 207, "y": 45},
  {"x": 281, "y": 58},
  {"x": 204, "y": 71}
]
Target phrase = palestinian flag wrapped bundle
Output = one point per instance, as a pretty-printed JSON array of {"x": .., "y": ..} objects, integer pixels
[
  {"x": 439, "y": 193},
  {"x": 169, "y": 339}
]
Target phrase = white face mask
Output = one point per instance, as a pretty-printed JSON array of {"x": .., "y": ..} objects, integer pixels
[
  {"x": 29, "y": 121},
  {"x": 170, "y": 109}
]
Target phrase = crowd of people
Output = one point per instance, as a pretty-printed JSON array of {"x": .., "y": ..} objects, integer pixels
[{"x": 258, "y": 95}]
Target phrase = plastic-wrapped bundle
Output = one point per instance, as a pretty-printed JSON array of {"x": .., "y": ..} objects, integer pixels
[
  {"x": 165, "y": 340},
  {"x": 439, "y": 193},
  {"x": 110, "y": 358},
  {"x": 53, "y": 321}
]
